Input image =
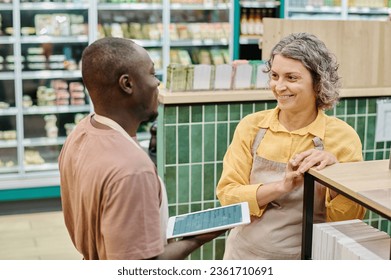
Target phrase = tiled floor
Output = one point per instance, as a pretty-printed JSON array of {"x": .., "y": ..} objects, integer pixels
[{"x": 36, "y": 236}]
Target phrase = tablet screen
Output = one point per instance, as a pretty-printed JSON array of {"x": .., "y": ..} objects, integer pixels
[{"x": 209, "y": 220}]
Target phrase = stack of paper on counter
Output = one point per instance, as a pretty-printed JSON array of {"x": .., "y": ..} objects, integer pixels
[{"x": 347, "y": 240}]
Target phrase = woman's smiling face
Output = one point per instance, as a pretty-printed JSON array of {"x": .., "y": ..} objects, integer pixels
[{"x": 292, "y": 85}]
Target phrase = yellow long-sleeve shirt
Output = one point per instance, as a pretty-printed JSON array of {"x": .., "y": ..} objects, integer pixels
[{"x": 281, "y": 145}]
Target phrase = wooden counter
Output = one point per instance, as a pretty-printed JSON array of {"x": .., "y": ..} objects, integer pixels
[
  {"x": 219, "y": 96},
  {"x": 361, "y": 181},
  {"x": 367, "y": 182}
]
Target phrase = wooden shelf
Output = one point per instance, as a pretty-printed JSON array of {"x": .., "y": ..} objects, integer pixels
[
  {"x": 358, "y": 178},
  {"x": 220, "y": 96}
]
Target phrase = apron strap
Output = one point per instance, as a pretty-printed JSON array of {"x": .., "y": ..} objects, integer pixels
[
  {"x": 318, "y": 143},
  {"x": 257, "y": 141}
]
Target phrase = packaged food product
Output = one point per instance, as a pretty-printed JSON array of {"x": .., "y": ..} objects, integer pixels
[
  {"x": 79, "y": 117},
  {"x": 36, "y": 58},
  {"x": 4, "y": 105},
  {"x": 57, "y": 58},
  {"x": 56, "y": 66},
  {"x": 59, "y": 84},
  {"x": 62, "y": 102},
  {"x": 27, "y": 101},
  {"x": 217, "y": 56},
  {"x": 77, "y": 94},
  {"x": 242, "y": 74},
  {"x": 32, "y": 157},
  {"x": 50, "y": 120},
  {"x": 9, "y": 30},
  {"x": 35, "y": 50},
  {"x": 203, "y": 74},
  {"x": 27, "y": 31},
  {"x": 43, "y": 24},
  {"x": 9, "y": 134},
  {"x": 154, "y": 32},
  {"x": 116, "y": 30},
  {"x": 69, "y": 127},
  {"x": 79, "y": 29},
  {"x": 173, "y": 32},
  {"x": 51, "y": 132},
  {"x": 176, "y": 77},
  {"x": 204, "y": 57},
  {"x": 184, "y": 57},
  {"x": 62, "y": 94},
  {"x": 156, "y": 56},
  {"x": 37, "y": 66},
  {"x": 52, "y": 24},
  {"x": 76, "y": 86},
  {"x": 78, "y": 101}
]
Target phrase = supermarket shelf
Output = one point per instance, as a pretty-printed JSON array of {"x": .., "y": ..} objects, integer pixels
[
  {"x": 5, "y": 7},
  {"x": 200, "y": 43},
  {"x": 148, "y": 43},
  {"x": 338, "y": 10},
  {"x": 259, "y": 4},
  {"x": 25, "y": 79},
  {"x": 130, "y": 6},
  {"x": 37, "y": 110},
  {"x": 29, "y": 180},
  {"x": 8, "y": 143},
  {"x": 7, "y": 170},
  {"x": 54, "y": 39},
  {"x": 41, "y": 167},
  {"x": 51, "y": 74},
  {"x": 370, "y": 11},
  {"x": 12, "y": 111},
  {"x": 53, "y": 6},
  {"x": 193, "y": 7},
  {"x": 312, "y": 9},
  {"x": 250, "y": 40},
  {"x": 7, "y": 75},
  {"x": 43, "y": 141},
  {"x": 7, "y": 40}
]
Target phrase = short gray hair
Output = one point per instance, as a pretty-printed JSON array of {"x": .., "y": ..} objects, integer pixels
[{"x": 317, "y": 58}]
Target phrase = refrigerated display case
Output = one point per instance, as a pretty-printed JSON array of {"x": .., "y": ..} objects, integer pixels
[{"x": 42, "y": 95}]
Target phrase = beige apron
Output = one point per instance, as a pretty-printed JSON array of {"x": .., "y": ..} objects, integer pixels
[
  {"x": 276, "y": 235},
  {"x": 164, "y": 203}
]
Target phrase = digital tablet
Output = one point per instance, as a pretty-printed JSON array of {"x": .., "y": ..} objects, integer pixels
[{"x": 214, "y": 219}]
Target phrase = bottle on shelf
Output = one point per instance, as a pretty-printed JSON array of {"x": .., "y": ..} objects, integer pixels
[
  {"x": 258, "y": 23},
  {"x": 251, "y": 23},
  {"x": 244, "y": 22}
]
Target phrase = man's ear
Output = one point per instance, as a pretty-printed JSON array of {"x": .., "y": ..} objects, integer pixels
[{"x": 126, "y": 83}]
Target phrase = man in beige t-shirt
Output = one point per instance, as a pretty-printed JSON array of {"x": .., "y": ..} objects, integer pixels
[
  {"x": 113, "y": 202},
  {"x": 111, "y": 195}
]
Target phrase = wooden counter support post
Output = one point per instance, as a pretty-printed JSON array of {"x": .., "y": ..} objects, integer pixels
[{"x": 308, "y": 212}]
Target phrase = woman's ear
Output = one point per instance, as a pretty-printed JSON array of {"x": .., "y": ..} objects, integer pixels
[{"x": 126, "y": 84}]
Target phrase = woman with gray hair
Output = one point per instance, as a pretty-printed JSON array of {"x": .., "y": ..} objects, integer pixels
[{"x": 272, "y": 149}]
